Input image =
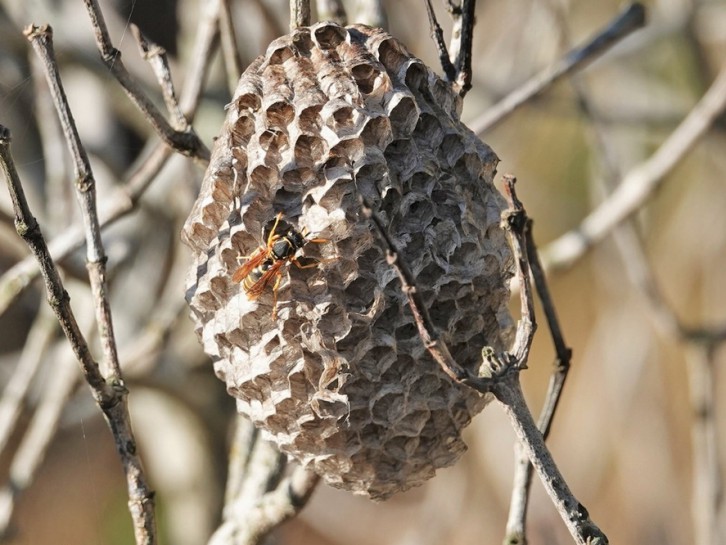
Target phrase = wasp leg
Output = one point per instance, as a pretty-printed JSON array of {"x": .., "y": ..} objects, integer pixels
[
  {"x": 312, "y": 265},
  {"x": 272, "y": 236}
]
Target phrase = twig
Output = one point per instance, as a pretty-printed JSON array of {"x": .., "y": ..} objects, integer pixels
[
  {"x": 332, "y": 10},
  {"x": 503, "y": 379},
  {"x": 19, "y": 276},
  {"x": 299, "y": 13},
  {"x": 437, "y": 35},
  {"x": 640, "y": 183},
  {"x": 523, "y": 469},
  {"x": 628, "y": 21},
  {"x": 462, "y": 42},
  {"x": 110, "y": 396},
  {"x": 186, "y": 142},
  {"x": 42, "y": 40},
  {"x": 155, "y": 55},
  {"x": 436, "y": 347}
]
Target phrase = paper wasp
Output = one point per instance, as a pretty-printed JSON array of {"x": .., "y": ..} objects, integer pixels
[{"x": 282, "y": 243}]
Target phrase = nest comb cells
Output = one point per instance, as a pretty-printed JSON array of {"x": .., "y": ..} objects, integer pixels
[{"x": 329, "y": 364}]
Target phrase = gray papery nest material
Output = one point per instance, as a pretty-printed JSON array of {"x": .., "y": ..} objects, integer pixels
[{"x": 340, "y": 379}]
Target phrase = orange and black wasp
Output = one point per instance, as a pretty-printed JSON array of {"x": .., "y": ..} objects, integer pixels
[{"x": 282, "y": 244}]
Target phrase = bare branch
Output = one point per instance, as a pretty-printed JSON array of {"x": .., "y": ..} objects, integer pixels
[
  {"x": 155, "y": 55},
  {"x": 640, "y": 183},
  {"x": 185, "y": 142},
  {"x": 109, "y": 396},
  {"x": 462, "y": 43},
  {"x": 299, "y": 13},
  {"x": 437, "y": 35},
  {"x": 630, "y": 20}
]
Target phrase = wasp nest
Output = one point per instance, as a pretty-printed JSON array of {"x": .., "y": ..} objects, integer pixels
[{"x": 339, "y": 378}]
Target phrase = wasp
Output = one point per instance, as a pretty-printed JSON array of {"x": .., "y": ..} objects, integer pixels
[{"x": 282, "y": 244}]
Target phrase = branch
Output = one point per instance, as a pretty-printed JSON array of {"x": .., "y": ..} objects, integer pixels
[
  {"x": 630, "y": 20},
  {"x": 437, "y": 35},
  {"x": 462, "y": 43},
  {"x": 640, "y": 183},
  {"x": 299, "y": 13},
  {"x": 186, "y": 142},
  {"x": 258, "y": 499},
  {"x": 110, "y": 397}
]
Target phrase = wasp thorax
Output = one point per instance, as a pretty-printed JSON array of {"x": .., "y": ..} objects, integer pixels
[{"x": 326, "y": 358}]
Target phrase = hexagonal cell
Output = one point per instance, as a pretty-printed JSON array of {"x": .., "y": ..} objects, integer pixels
[
  {"x": 309, "y": 150},
  {"x": 329, "y": 36},
  {"x": 365, "y": 75}
]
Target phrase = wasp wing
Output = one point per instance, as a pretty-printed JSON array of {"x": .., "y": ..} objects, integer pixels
[
  {"x": 256, "y": 289},
  {"x": 257, "y": 257}
]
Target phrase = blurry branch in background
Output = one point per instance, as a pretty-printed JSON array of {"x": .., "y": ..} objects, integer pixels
[
  {"x": 332, "y": 10},
  {"x": 631, "y": 19},
  {"x": 639, "y": 184},
  {"x": 370, "y": 12},
  {"x": 40, "y": 432},
  {"x": 184, "y": 141},
  {"x": 499, "y": 373},
  {"x": 701, "y": 343},
  {"x": 230, "y": 49},
  {"x": 259, "y": 497}
]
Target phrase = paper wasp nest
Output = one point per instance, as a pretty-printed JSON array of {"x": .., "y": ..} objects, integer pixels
[{"x": 340, "y": 379}]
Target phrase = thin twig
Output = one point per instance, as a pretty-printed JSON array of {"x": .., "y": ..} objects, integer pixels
[
  {"x": 155, "y": 55},
  {"x": 436, "y": 347},
  {"x": 462, "y": 43},
  {"x": 437, "y": 35},
  {"x": 186, "y": 142},
  {"x": 630, "y": 20},
  {"x": 523, "y": 469},
  {"x": 110, "y": 396},
  {"x": 42, "y": 40},
  {"x": 502, "y": 377},
  {"x": 639, "y": 184},
  {"x": 299, "y": 13}
]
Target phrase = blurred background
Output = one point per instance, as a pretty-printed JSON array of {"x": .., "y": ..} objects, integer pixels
[{"x": 622, "y": 436}]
